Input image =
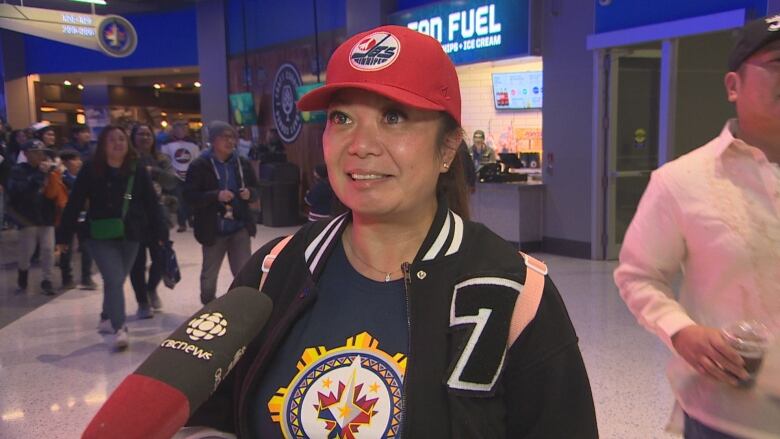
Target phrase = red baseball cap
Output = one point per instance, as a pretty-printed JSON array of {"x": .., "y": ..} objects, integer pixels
[{"x": 396, "y": 62}]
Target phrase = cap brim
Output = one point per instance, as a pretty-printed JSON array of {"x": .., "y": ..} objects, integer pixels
[{"x": 319, "y": 98}]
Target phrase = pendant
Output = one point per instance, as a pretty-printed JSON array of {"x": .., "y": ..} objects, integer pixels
[{"x": 387, "y": 277}]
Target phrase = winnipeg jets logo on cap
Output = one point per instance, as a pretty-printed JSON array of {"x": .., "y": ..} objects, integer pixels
[
  {"x": 375, "y": 52},
  {"x": 774, "y": 23}
]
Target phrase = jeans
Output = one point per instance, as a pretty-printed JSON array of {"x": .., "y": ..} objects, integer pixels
[
  {"x": 29, "y": 238},
  {"x": 696, "y": 430},
  {"x": 114, "y": 259},
  {"x": 141, "y": 285},
  {"x": 86, "y": 261},
  {"x": 236, "y": 246},
  {"x": 183, "y": 212}
]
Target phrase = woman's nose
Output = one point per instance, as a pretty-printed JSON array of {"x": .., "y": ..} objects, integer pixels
[{"x": 364, "y": 141}]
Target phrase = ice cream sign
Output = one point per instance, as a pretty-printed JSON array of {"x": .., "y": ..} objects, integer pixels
[
  {"x": 109, "y": 34},
  {"x": 475, "y": 28},
  {"x": 472, "y": 31}
]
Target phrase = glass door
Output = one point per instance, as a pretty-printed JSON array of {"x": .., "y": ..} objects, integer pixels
[{"x": 633, "y": 134}]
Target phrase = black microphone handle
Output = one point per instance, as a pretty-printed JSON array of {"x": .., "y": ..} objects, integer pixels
[{"x": 199, "y": 354}]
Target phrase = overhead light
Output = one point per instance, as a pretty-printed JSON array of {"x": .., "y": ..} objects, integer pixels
[
  {"x": 94, "y": 2},
  {"x": 164, "y": 124},
  {"x": 197, "y": 84},
  {"x": 79, "y": 110},
  {"x": 157, "y": 86},
  {"x": 81, "y": 118},
  {"x": 163, "y": 114},
  {"x": 178, "y": 85},
  {"x": 48, "y": 109},
  {"x": 67, "y": 83},
  {"x": 80, "y": 86}
]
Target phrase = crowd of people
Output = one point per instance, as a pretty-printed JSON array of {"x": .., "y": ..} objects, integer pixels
[
  {"x": 475, "y": 338},
  {"x": 111, "y": 202}
]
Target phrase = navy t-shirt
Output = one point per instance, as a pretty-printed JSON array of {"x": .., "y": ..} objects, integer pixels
[{"x": 341, "y": 366}]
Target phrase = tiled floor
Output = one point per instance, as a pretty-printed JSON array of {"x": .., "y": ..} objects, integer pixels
[{"x": 55, "y": 371}]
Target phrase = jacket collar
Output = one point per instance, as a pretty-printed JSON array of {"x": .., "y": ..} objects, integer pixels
[{"x": 444, "y": 238}]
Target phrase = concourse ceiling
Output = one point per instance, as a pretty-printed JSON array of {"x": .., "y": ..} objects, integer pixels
[{"x": 118, "y": 7}]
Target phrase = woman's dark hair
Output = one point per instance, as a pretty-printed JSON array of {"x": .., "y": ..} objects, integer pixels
[
  {"x": 134, "y": 131},
  {"x": 101, "y": 160},
  {"x": 13, "y": 145},
  {"x": 452, "y": 184}
]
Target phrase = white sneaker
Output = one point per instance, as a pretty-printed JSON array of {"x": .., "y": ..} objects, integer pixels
[
  {"x": 104, "y": 327},
  {"x": 119, "y": 339}
]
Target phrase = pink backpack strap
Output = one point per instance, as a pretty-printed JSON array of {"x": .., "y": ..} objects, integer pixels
[
  {"x": 268, "y": 260},
  {"x": 528, "y": 300}
]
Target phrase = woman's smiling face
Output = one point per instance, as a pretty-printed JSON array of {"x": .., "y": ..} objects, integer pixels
[{"x": 383, "y": 157}]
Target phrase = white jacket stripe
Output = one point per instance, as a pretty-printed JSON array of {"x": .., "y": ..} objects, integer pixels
[{"x": 440, "y": 240}]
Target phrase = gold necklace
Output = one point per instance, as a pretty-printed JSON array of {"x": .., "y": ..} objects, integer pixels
[{"x": 388, "y": 275}]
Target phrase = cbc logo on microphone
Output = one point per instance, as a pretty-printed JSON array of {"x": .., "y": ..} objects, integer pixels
[{"x": 207, "y": 326}]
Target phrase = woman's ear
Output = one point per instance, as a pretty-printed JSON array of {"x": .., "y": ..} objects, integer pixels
[
  {"x": 732, "y": 82},
  {"x": 451, "y": 145}
]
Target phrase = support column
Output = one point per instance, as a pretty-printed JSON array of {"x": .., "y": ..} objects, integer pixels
[
  {"x": 212, "y": 60},
  {"x": 19, "y": 105},
  {"x": 668, "y": 101},
  {"x": 366, "y": 14}
]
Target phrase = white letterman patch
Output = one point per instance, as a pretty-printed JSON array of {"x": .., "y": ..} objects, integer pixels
[{"x": 375, "y": 52}]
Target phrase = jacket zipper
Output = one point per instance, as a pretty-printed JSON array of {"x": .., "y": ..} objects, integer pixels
[{"x": 407, "y": 284}]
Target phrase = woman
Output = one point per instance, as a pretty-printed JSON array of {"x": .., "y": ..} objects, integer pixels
[
  {"x": 117, "y": 188},
  {"x": 164, "y": 178},
  {"x": 18, "y": 138},
  {"x": 401, "y": 318}
]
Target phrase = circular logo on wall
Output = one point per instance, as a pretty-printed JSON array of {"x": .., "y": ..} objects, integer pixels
[
  {"x": 116, "y": 36},
  {"x": 207, "y": 326},
  {"x": 286, "y": 116},
  {"x": 375, "y": 52}
]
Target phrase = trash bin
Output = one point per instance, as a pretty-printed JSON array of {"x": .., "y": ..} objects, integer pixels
[{"x": 279, "y": 194}]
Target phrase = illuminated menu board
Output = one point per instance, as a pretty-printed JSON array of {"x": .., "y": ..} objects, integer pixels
[{"x": 517, "y": 90}]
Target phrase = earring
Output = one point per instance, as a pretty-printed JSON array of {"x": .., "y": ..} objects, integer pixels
[{"x": 446, "y": 166}]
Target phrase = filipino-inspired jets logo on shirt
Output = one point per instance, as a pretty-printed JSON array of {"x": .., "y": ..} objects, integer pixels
[
  {"x": 350, "y": 392},
  {"x": 375, "y": 52},
  {"x": 116, "y": 36}
]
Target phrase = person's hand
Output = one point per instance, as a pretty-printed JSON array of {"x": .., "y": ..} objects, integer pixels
[
  {"x": 244, "y": 193},
  {"x": 45, "y": 166},
  {"x": 706, "y": 351},
  {"x": 61, "y": 248},
  {"x": 225, "y": 196}
]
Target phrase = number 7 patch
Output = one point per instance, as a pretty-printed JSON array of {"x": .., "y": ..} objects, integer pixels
[{"x": 480, "y": 317}]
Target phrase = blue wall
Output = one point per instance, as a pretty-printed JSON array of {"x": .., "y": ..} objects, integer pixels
[
  {"x": 269, "y": 23},
  {"x": 623, "y": 14},
  {"x": 164, "y": 40}
]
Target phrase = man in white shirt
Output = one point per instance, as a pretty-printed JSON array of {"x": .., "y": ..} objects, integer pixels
[
  {"x": 714, "y": 215},
  {"x": 182, "y": 152}
]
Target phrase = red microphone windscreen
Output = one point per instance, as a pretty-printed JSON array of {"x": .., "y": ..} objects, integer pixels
[{"x": 142, "y": 408}]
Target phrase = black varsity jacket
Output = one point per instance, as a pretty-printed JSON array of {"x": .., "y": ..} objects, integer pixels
[{"x": 536, "y": 388}]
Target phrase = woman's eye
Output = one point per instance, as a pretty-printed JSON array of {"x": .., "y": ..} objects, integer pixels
[
  {"x": 394, "y": 117},
  {"x": 338, "y": 118}
]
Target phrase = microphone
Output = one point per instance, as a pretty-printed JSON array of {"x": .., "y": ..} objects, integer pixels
[{"x": 188, "y": 366}]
